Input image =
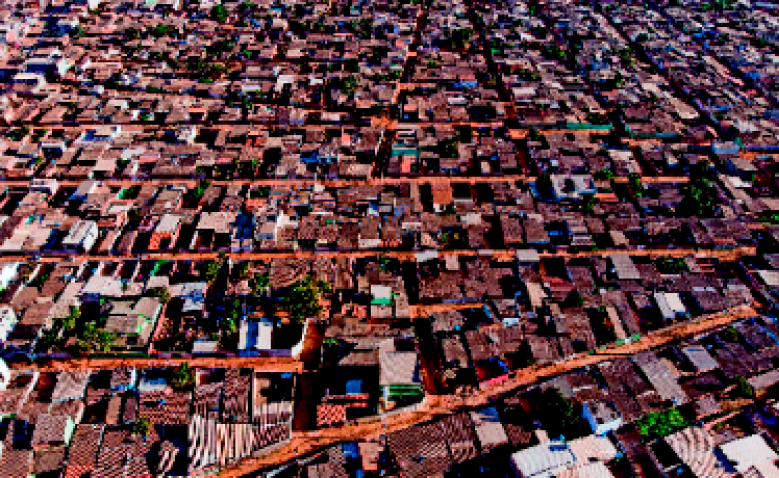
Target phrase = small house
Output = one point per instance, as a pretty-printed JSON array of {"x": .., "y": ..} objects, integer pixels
[
  {"x": 602, "y": 416},
  {"x": 81, "y": 237},
  {"x": 52, "y": 430}
]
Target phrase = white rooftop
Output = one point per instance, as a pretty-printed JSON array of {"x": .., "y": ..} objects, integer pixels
[{"x": 747, "y": 452}]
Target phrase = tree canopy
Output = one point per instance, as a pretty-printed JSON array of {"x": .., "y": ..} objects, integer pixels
[
  {"x": 161, "y": 293},
  {"x": 302, "y": 299},
  {"x": 93, "y": 339},
  {"x": 142, "y": 426},
  {"x": 660, "y": 424},
  {"x": 183, "y": 377}
]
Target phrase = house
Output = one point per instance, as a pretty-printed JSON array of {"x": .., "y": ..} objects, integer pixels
[
  {"x": 770, "y": 278},
  {"x": 700, "y": 358},
  {"x": 52, "y": 430},
  {"x": 31, "y": 81},
  {"x": 133, "y": 321},
  {"x": 100, "y": 134},
  {"x": 381, "y": 295},
  {"x": 165, "y": 233},
  {"x": 16, "y": 463},
  {"x": 99, "y": 287},
  {"x": 399, "y": 374},
  {"x": 572, "y": 187},
  {"x": 5, "y": 377},
  {"x": 81, "y": 237},
  {"x": 54, "y": 149},
  {"x": 624, "y": 268},
  {"x": 82, "y": 453},
  {"x": 70, "y": 386},
  {"x": 764, "y": 380},
  {"x": 67, "y": 25},
  {"x": 660, "y": 376},
  {"x": 695, "y": 448},
  {"x": 488, "y": 428},
  {"x": 255, "y": 336},
  {"x": 51, "y": 64},
  {"x": 8, "y": 321},
  {"x": 602, "y": 416},
  {"x": 205, "y": 346},
  {"x": 8, "y": 273},
  {"x": 84, "y": 189},
  {"x": 153, "y": 380},
  {"x": 671, "y": 306},
  {"x": 556, "y": 458},
  {"x": 442, "y": 195},
  {"x": 527, "y": 257},
  {"x": 742, "y": 168},
  {"x": 48, "y": 186},
  {"x": 751, "y": 456},
  {"x": 123, "y": 379},
  {"x": 194, "y": 296}
]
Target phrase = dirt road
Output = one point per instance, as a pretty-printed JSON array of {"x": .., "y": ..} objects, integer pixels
[
  {"x": 404, "y": 256},
  {"x": 303, "y": 443},
  {"x": 262, "y": 364},
  {"x": 334, "y": 183}
]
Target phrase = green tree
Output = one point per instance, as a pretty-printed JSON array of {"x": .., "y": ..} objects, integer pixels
[
  {"x": 366, "y": 28},
  {"x": 536, "y": 136},
  {"x": 588, "y": 202},
  {"x": 93, "y": 339},
  {"x": 211, "y": 270},
  {"x": 243, "y": 269},
  {"x": 543, "y": 185},
  {"x": 161, "y": 293},
  {"x": 699, "y": 200},
  {"x": 460, "y": 38},
  {"x": 744, "y": 388},
  {"x": 604, "y": 174},
  {"x": 660, "y": 424},
  {"x": 574, "y": 299},
  {"x": 229, "y": 325},
  {"x": 183, "y": 377},
  {"x": 302, "y": 300},
  {"x": 383, "y": 261},
  {"x": 348, "y": 84},
  {"x": 132, "y": 33},
  {"x": 142, "y": 427},
  {"x": 562, "y": 415},
  {"x": 247, "y": 7},
  {"x": 161, "y": 30},
  {"x": 635, "y": 185},
  {"x": 69, "y": 321},
  {"x": 18, "y": 134},
  {"x": 730, "y": 334},
  {"x": 218, "y": 13},
  {"x": 448, "y": 148},
  {"x": 259, "y": 283}
]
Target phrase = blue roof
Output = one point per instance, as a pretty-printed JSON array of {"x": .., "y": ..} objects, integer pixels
[
  {"x": 354, "y": 386},
  {"x": 351, "y": 449}
]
